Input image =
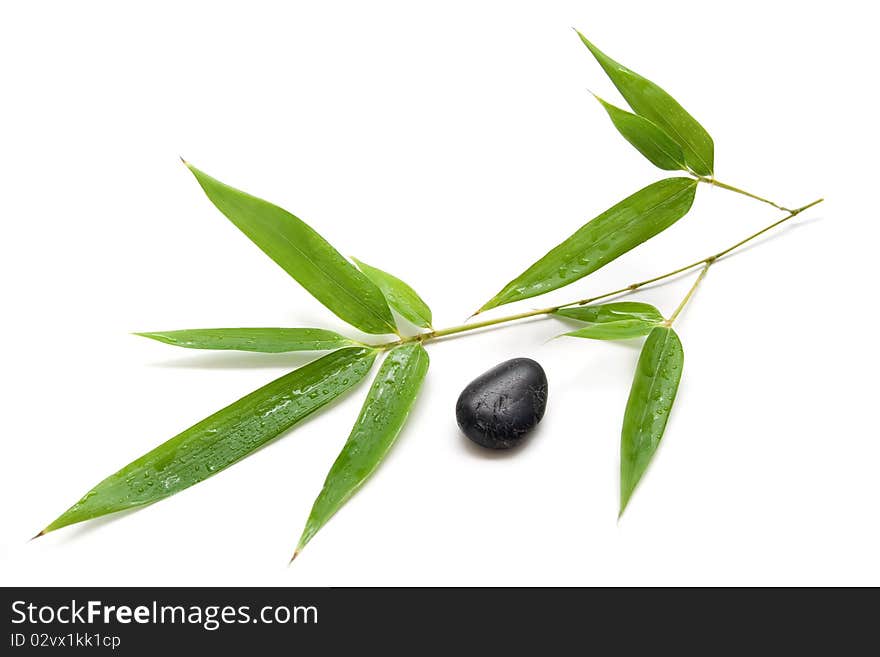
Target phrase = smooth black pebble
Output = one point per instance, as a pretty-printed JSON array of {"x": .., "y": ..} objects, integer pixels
[{"x": 499, "y": 407}]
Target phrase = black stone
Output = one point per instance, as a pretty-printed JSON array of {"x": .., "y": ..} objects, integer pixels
[{"x": 499, "y": 407}]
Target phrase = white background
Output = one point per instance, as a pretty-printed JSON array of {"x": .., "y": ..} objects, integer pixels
[{"x": 452, "y": 144}]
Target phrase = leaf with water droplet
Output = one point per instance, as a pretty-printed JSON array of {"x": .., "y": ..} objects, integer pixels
[
  {"x": 382, "y": 416},
  {"x": 399, "y": 295},
  {"x": 225, "y": 437},
  {"x": 650, "y": 101},
  {"x": 264, "y": 340},
  {"x": 619, "y": 320},
  {"x": 647, "y": 138},
  {"x": 653, "y": 391},
  {"x": 303, "y": 254},
  {"x": 623, "y": 227}
]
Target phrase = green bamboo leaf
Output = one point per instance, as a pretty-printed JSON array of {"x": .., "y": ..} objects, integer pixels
[
  {"x": 634, "y": 220},
  {"x": 613, "y": 312},
  {"x": 653, "y": 103},
  {"x": 650, "y": 402},
  {"x": 622, "y": 330},
  {"x": 305, "y": 255},
  {"x": 647, "y": 138},
  {"x": 223, "y": 438},
  {"x": 383, "y": 414},
  {"x": 619, "y": 320},
  {"x": 266, "y": 340},
  {"x": 399, "y": 295}
]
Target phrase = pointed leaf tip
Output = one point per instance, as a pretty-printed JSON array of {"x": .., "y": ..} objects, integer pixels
[
  {"x": 624, "y": 226},
  {"x": 647, "y": 138},
  {"x": 304, "y": 254},
  {"x": 382, "y": 416},
  {"x": 225, "y": 437},
  {"x": 263, "y": 340},
  {"x": 651, "y": 397},
  {"x": 651, "y": 102}
]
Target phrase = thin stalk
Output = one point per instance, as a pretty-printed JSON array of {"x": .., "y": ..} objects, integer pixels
[
  {"x": 441, "y": 333},
  {"x": 687, "y": 297},
  {"x": 706, "y": 262},
  {"x": 718, "y": 183}
]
